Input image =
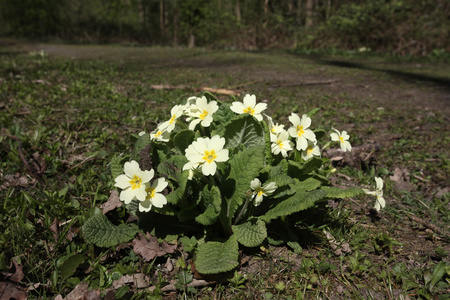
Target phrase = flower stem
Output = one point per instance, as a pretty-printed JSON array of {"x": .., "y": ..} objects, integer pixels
[{"x": 243, "y": 210}]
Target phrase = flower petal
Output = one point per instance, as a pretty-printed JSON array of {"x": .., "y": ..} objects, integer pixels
[
  {"x": 145, "y": 206},
  {"x": 122, "y": 181},
  {"x": 249, "y": 101},
  {"x": 209, "y": 168},
  {"x": 127, "y": 195},
  {"x": 237, "y": 107},
  {"x": 159, "y": 200},
  {"x": 131, "y": 168},
  {"x": 160, "y": 185}
]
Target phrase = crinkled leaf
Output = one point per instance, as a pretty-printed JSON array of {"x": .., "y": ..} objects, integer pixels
[
  {"x": 297, "y": 202},
  {"x": 251, "y": 233},
  {"x": 99, "y": 231},
  {"x": 172, "y": 167},
  {"x": 140, "y": 144},
  {"x": 175, "y": 196},
  {"x": 335, "y": 192},
  {"x": 305, "y": 185},
  {"x": 244, "y": 131},
  {"x": 245, "y": 167},
  {"x": 217, "y": 257},
  {"x": 116, "y": 166},
  {"x": 223, "y": 116},
  {"x": 283, "y": 183},
  {"x": 212, "y": 200},
  {"x": 183, "y": 139}
]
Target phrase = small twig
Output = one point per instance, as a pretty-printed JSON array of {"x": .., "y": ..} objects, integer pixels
[
  {"x": 344, "y": 176},
  {"x": 425, "y": 223}
]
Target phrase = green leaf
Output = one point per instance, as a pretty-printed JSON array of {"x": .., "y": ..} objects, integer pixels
[
  {"x": 175, "y": 196},
  {"x": 297, "y": 202},
  {"x": 183, "y": 139},
  {"x": 217, "y": 257},
  {"x": 312, "y": 112},
  {"x": 244, "y": 167},
  {"x": 244, "y": 131},
  {"x": 172, "y": 167},
  {"x": 71, "y": 264},
  {"x": 251, "y": 233},
  {"x": 212, "y": 200},
  {"x": 437, "y": 274},
  {"x": 99, "y": 231},
  {"x": 305, "y": 185},
  {"x": 300, "y": 170},
  {"x": 223, "y": 116},
  {"x": 116, "y": 166},
  {"x": 335, "y": 192},
  {"x": 140, "y": 144},
  {"x": 188, "y": 243}
]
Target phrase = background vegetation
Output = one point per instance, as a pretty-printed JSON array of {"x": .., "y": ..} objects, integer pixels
[{"x": 415, "y": 27}]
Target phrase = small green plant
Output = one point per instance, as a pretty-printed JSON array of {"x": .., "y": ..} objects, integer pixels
[{"x": 228, "y": 169}]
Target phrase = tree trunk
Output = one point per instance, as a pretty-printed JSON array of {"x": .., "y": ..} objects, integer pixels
[
  {"x": 161, "y": 19},
  {"x": 309, "y": 13},
  {"x": 238, "y": 11}
]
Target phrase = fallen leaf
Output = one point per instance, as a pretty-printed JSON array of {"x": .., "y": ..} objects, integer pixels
[
  {"x": 112, "y": 203},
  {"x": 81, "y": 292},
  {"x": 11, "y": 291},
  {"x": 149, "y": 248},
  {"x": 15, "y": 272},
  {"x": 339, "y": 248},
  {"x": 401, "y": 179},
  {"x": 139, "y": 281}
]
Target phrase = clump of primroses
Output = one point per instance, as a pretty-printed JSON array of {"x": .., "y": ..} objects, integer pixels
[{"x": 207, "y": 151}]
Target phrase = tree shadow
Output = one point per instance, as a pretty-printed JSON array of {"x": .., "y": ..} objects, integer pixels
[{"x": 440, "y": 81}]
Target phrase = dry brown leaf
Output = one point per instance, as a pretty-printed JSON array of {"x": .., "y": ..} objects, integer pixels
[
  {"x": 139, "y": 281},
  {"x": 112, "y": 203},
  {"x": 81, "y": 292},
  {"x": 149, "y": 248},
  {"x": 339, "y": 248},
  {"x": 15, "y": 272},
  {"x": 401, "y": 179},
  {"x": 11, "y": 291}
]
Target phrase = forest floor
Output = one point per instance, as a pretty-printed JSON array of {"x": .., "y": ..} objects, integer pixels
[{"x": 75, "y": 106}]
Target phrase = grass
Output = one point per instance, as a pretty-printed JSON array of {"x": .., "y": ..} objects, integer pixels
[{"x": 65, "y": 114}]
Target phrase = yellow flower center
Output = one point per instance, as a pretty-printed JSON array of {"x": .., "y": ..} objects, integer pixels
[
  {"x": 249, "y": 110},
  {"x": 135, "y": 182},
  {"x": 172, "y": 119},
  {"x": 210, "y": 156},
  {"x": 158, "y": 133},
  {"x": 300, "y": 130},
  {"x": 150, "y": 192},
  {"x": 280, "y": 143},
  {"x": 203, "y": 115},
  {"x": 309, "y": 150},
  {"x": 259, "y": 191},
  {"x": 342, "y": 139}
]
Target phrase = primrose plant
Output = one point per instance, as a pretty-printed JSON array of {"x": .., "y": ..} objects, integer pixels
[{"x": 217, "y": 175}]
